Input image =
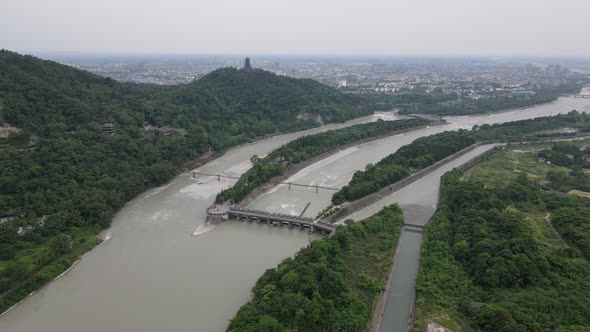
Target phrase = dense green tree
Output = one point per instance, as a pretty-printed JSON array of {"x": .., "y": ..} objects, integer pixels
[
  {"x": 306, "y": 147},
  {"x": 419, "y": 154},
  {"x": 482, "y": 263},
  {"x": 326, "y": 286},
  {"x": 60, "y": 244},
  {"x": 61, "y": 173}
]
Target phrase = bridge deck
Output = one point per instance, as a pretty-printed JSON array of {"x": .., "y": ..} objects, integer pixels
[
  {"x": 282, "y": 218},
  {"x": 219, "y": 176},
  {"x": 414, "y": 225},
  {"x": 574, "y": 95}
]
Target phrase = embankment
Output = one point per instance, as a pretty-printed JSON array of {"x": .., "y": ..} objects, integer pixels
[
  {"x": 298, "y": 167},
  {"x": 380, "y": 306},
  {"x": 349, "y": 208}
]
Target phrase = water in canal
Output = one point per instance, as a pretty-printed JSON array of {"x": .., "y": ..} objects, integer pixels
[
  {"x": 152, "y": 275},
  {"x": 418, "y": 200}
]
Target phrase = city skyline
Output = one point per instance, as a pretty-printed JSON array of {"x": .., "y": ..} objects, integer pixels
[{"x": 375, "y": 27}]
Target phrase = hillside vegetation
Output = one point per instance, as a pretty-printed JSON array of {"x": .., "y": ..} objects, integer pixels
[
  {"x": 426, "y": 151},
  {"x": 306, "y": 147},
  {"x": 419, "y": 154},
  {"x": 62, "y": 178},
  {"x": 332, "y": 285},
  {"x": 439, "y": 103},
  {"x": 505, "y": 254}
]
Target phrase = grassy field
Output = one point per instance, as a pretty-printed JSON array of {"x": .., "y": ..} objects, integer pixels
[
  {"x": 370, "y": 259},
  {"x": 84, "y": 239},
  {"x": 508, "y": 164},
  {"x": 504, "y": 167},
  {"x": 579, "y": 193},
  {"x": 542, "y": 230},
  {"x": 32, "y": 254},
  {"x": 445, "y": 282}
]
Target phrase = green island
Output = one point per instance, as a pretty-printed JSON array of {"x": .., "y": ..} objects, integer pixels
[
  {"x": 446, "y": 291},
  {"x": 331, "y": 285},
  {"x": 304, "y": 148},
  {"x": 509, "y": 247},
  {"x": 83, "y": 145},
  {"x": 425, "y": 151},
  {"x": 439, "y": 103},
  {"x": 419, "y": 154}
]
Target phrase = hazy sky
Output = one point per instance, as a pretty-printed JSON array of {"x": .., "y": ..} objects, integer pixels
[{"x": 380, "y": 27}]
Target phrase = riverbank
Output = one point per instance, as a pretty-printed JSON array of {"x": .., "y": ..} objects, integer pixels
[
  {"x": 190, "y": 165},
  {"x": 451, "y": 291},
  {"x": 380, "y": 306},
  {"x": 349, "y": 208},
  {"x": 355, "y": 261},
  {"x": 521, "y": 107},
  {"x": 553, "y": 99},
  {"x": 50, "y": 272},
  {"x": 202, "y": 160},
  {"x": 299, "y": 166},
  {"x": 86, "y": 241},
  {"x": 62, "y": 265}
]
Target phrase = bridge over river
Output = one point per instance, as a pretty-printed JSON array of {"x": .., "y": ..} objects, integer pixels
[
  {"x": 219, "y": 176},
  {"x": 574, "y": 95},
  {"x": 147, "y": 254}
]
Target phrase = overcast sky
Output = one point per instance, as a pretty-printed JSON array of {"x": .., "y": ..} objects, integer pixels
[{"x": 379, "y": 27}]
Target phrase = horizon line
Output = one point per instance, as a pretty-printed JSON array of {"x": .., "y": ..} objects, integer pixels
[{"x": 318, "y": 55}]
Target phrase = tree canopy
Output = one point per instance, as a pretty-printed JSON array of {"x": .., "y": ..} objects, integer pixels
[
  {"x": 488, "y": 264},
  {"x": 63, "y": 177},
  {"x": 332, "y": 285}
]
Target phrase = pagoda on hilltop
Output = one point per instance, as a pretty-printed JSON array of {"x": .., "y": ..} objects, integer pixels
[{"x": 247, "y": 65}]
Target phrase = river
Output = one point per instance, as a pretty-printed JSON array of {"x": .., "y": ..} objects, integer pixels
[{"x": 150, "y": 274}]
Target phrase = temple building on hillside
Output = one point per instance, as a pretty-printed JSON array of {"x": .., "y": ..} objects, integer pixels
[
  {"x": 247, "y": 65},
  {"x": 109, "y": 128}
]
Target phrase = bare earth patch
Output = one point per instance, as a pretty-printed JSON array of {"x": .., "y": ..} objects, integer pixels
[
  {"x": 6, "y": 130},
  {"x": 435, "y": 327}
]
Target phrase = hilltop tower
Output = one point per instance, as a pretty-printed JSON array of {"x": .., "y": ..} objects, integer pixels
[{"x": 247, "y": 66}]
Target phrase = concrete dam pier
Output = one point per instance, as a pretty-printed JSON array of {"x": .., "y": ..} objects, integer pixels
[{"x": 271, "y": 219}]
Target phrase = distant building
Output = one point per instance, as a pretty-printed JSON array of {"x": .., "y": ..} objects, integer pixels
[
  {"x": 247, "y": 65},
  {"x": 109, "y": 128}
]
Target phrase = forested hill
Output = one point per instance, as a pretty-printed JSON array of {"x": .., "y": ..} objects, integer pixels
[
  {"x": 226, "y": 107},
  {"x": 62, "y": 178},
  {"x": 264, "y": 94},
  {"x": 61, "y": 110},
  {"x": 42, "y": 96}
]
